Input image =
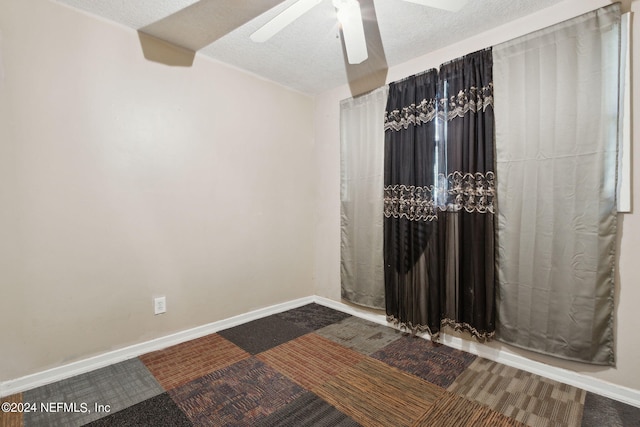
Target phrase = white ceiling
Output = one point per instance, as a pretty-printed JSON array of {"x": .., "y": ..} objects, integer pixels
[{"x": 307, "y": 55}]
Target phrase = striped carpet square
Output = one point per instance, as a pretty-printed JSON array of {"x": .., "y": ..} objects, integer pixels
[
  {"x": 8, "y": 418},
  {"x": 376, "y": 394},
  {"x": 452, "y": 410},
  {"x": 526, "y": 397},
  {"x": 310, "y": 360},
  {"x": 177, "y": 365}
]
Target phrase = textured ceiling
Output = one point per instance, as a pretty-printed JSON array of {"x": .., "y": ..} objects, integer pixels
[{"x": 307, "y": 55}]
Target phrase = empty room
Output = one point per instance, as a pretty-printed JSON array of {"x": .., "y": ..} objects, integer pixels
[{"x": 319, "y": 213}]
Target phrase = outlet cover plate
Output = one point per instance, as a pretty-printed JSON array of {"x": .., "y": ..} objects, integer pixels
[{"x": 160, "y": 305}]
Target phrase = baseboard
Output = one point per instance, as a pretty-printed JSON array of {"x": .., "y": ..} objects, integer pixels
[
  {"x": 604, "y": 388},
  {"x": 28, "y": 382},
  {"x": 620, "y": 393}
]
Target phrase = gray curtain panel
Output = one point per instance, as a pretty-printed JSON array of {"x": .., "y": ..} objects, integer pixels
[
  {"x": 361, "y": 204},
  {"x": 556, "y": 98}
]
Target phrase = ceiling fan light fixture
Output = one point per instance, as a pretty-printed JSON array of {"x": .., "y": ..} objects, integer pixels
[{"x": 350, "y": 18}]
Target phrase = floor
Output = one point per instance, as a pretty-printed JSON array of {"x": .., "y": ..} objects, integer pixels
[{"x": 313, "y": 366}]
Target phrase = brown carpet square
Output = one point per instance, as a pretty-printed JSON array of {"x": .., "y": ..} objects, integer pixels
[
  {"x": 179, "y": 364},
  {"x": 11, "y": 419},
  {"x": 310, "y": 360},
  {"x": 452, "y": 410},
  {"x": 376, "y": 394}
]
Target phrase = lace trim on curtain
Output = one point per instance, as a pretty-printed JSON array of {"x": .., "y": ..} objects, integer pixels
[
  {"x": 410, "y": 202},
  {"x": 481, "y": 336},
  {"x": 413, "y": 329},
  {"x": 473, "y": 192},
  {"x": 472, "y": 99},
  {"x": 412, "y": 115}
]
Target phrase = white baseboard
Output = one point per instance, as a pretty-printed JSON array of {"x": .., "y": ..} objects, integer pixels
[
  {"x": 90, "y": 364},
  {"x": 604, "y": 388},
  {"x": 623, "y": 394}
]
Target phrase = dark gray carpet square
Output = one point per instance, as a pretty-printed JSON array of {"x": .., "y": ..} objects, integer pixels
[
  {"x": 309, "y": 410},
  {"x": 601, "y": 411},
  {"x": 159, "y": 410},
  {"x": 263, "y": 334},
  {"x": 236, "y": 395},
  {"x": 436, "y": 363},
  {"x": 313, "y": 316}
]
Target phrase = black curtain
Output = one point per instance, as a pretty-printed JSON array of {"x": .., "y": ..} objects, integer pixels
[
  {"x": 439, "y": 194},
  {"x": 468, "y": 224},
  {"x": 411, "y": 246}
]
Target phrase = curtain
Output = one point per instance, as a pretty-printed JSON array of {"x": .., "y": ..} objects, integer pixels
[
  {"x": 438, "y": 199},
  {"x": 361, "y": 168},
  {"x": 556, "y": 96},
  {"x": 412, "y": 271},
  {"x": 468, "y": 222}
]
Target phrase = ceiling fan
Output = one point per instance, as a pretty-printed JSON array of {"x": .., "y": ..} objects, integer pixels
[
  {"x": 349, "y": 16},
  {"x": 205, "y": 21}
]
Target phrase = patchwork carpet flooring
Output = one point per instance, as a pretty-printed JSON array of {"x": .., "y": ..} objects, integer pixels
[{"x": 312, "y": 366}]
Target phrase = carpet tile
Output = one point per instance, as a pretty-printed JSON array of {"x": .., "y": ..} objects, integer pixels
[
  {"x": 159, "y": 410},
  {"x": 602, "y": 411},
  {"x": 314, "y": 366},
  {"x": 310, "y": 360},
  {"x": 526, "y": 397},
  {"x": 452, "y": 410},
  {"x": 8, "y": 418},
  {"x": 435, "y": 363},
  {"x": 179, "y": 364},
  {"x": 262, "y": 334},
  {"x": 118, "y": 386},
  {"x": 376, "y": 394},
  {"x": 360, "y": 335},
  {"x": 312, "y": 316},
  {"x": 236, "y": 395},
  {"x": 307, "y": 411}
]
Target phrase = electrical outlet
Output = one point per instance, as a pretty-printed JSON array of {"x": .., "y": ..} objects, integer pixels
[{"x": 160, "y": 305}]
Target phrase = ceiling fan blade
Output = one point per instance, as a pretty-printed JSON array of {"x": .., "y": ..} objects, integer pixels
[
  {"x": 204, "y": 22},
  {"x": 350, "y": 18},
  {"x": 371, "y": 73},
  {"x": 285, "y": 18},
  {"x": 450, "y": 5}
]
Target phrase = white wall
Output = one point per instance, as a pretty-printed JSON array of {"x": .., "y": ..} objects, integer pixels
[
  {"x": 121, "y": 179},
  {"x": 327, "y": 261}
]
